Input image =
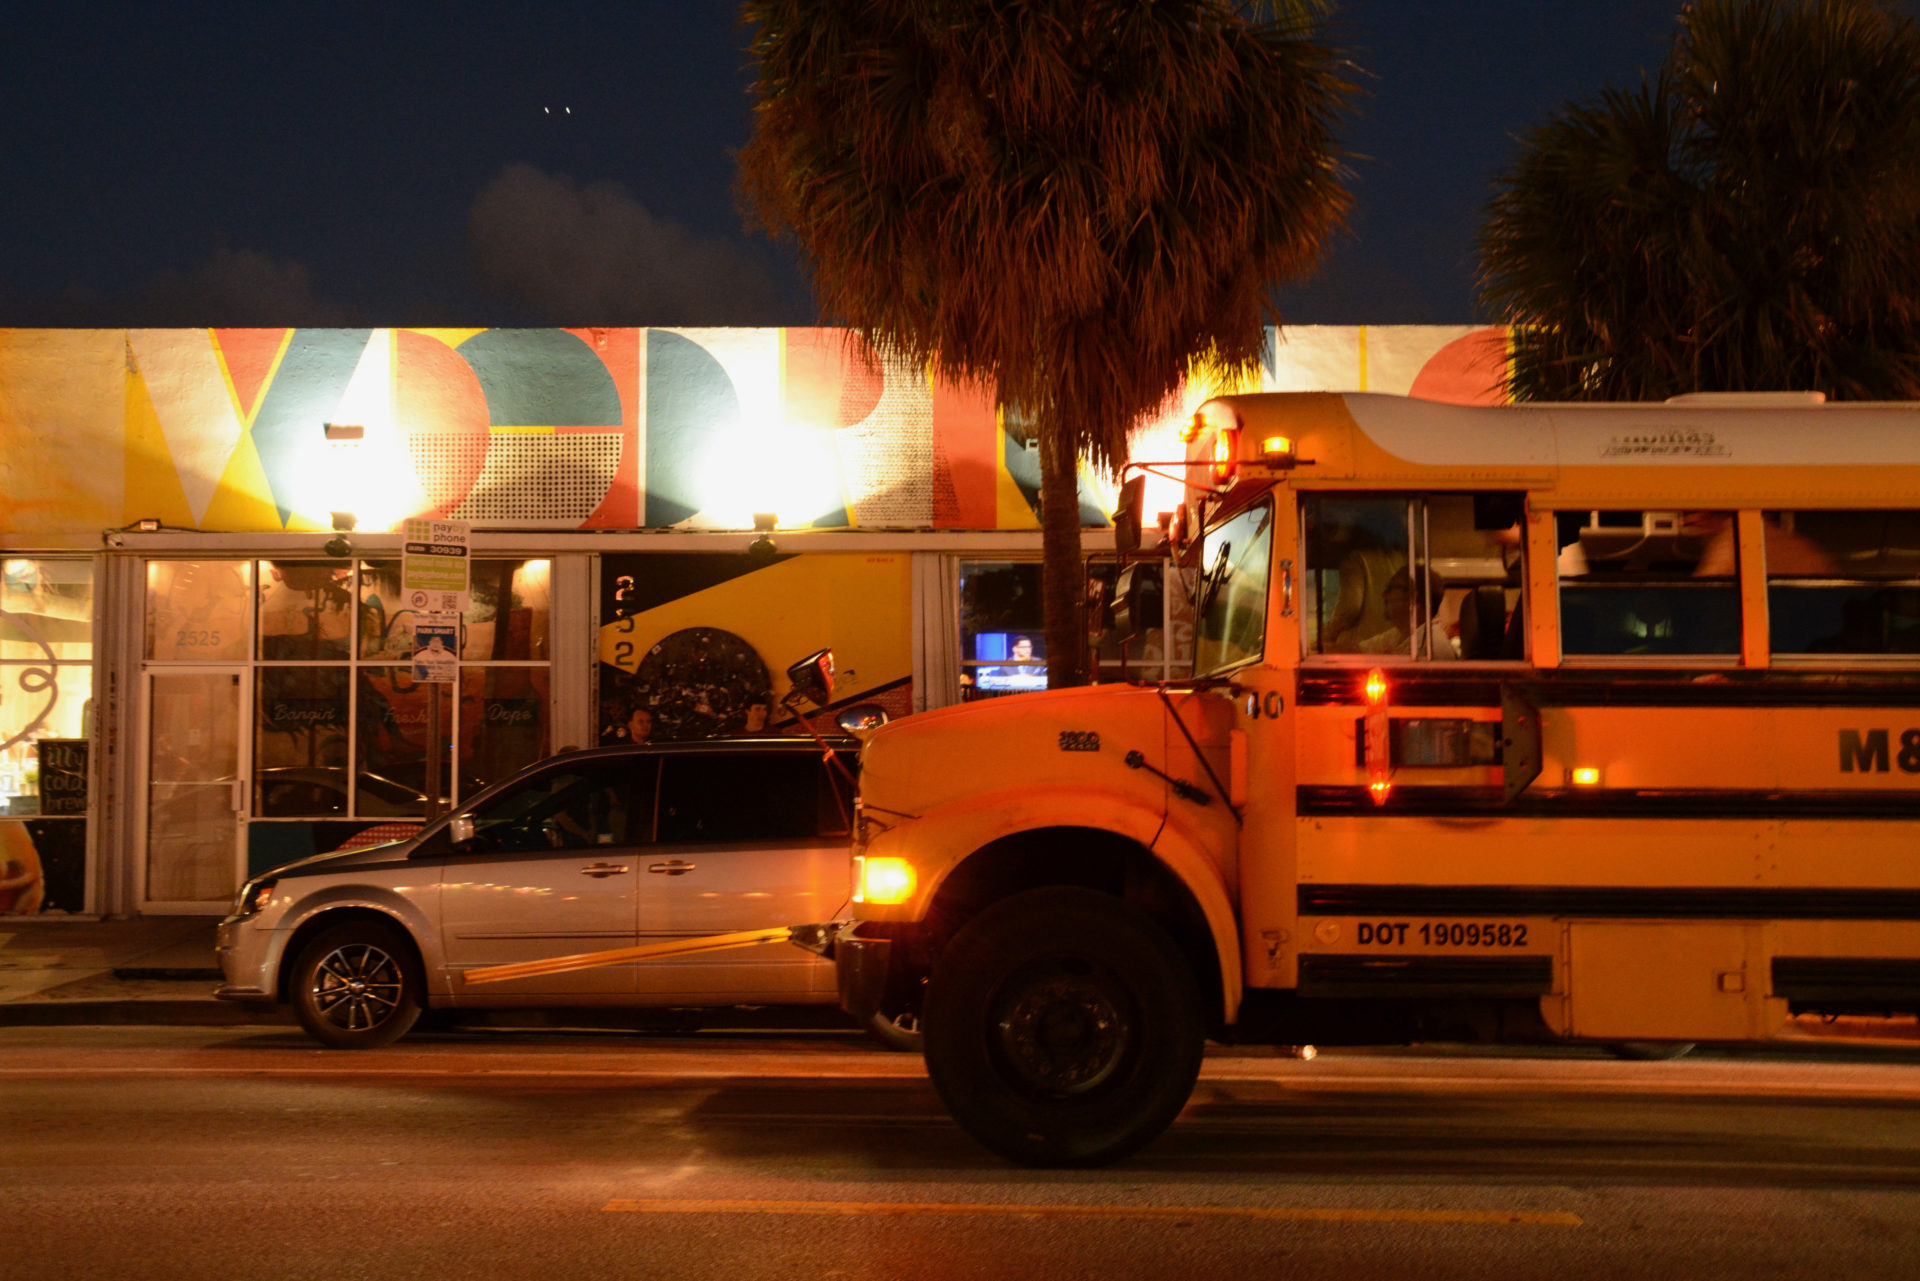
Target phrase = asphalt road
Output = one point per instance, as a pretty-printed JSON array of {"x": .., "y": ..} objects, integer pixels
[{"x": 131, "y": 1153}]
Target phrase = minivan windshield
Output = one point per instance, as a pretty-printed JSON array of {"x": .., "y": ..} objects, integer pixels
[{"x": 1233, "y": 591}]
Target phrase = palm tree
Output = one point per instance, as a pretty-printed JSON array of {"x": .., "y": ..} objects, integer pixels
[
  {"x": 1748, "y": 220},
  {"x": 1065, "y": 201}
]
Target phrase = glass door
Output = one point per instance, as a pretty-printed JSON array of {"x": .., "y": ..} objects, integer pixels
[{"x": 195, "y": 788}]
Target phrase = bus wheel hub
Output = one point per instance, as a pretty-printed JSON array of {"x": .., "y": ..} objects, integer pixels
[{"x": 1063, "y": 1035}]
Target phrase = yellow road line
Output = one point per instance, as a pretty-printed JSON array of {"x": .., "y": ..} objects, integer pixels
[{"x": 941, "y": 1209}]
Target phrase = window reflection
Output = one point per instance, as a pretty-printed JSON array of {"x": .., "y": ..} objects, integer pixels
[
  {"x": 304, "y": 609},
  {"x": 386, "y": 623},
  {"x": 503, "y": 722},
  {"x": 509, "y": 616},
  {"x": 1843, "y": 582},
  {"x": 1233, "y": 591},
  {"x": 197, "y": 610},
  {"x": 1638, "y": 583},
  {"x": 300, "y": 742}
]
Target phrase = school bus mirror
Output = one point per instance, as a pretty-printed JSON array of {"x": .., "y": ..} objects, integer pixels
[
  {"x": 1127, "y": 517},
  {"x": 1520, "y": 757}
]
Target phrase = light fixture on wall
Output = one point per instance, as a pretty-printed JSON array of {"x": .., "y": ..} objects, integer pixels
[
  {"x": 762, "y": 549},
  {"x": 343, "y": 441},
  {"x": 340, "y": 546}
]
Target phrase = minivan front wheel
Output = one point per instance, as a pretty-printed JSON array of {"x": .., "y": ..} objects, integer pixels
[{"x": 354, "y": 987}]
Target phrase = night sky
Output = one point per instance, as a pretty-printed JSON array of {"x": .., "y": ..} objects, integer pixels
[{"x": 558, "y": 163}]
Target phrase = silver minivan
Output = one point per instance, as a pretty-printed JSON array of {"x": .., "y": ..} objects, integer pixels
[{"x": 583, "y": 852}]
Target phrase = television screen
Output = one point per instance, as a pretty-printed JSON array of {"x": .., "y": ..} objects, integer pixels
[{"x": 1009, "y": 661}]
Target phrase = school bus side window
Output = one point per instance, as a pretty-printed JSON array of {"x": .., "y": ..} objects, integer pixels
[
  {"x": 1425, "y": 577},
  {"x": 1647, "y": 583},
  {"x": 1843, "y": 583}
]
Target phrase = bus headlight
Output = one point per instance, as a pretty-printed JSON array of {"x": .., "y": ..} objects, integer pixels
[{"x": 882, "y": 880}]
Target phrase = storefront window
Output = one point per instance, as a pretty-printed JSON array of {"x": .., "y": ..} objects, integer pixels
[
  {"x": 304, "y": 609},
  {"x": 512, "y": 606},
  {"x": 1003, "y": 635},
  {"x": 386, "y": 623},
  {"x": 319, "y": 686},
  {"x": 503, "y": 722},
  {"x": 391, "y": 727},
  {"x": 46, "y": 692},
  {"x": 197, "y": 610},
  {"x": 300, "y": 742},
  {"x": 1002, "y": 632}
]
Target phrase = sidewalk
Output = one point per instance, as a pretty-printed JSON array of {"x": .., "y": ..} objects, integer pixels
[{"x": 145, "y": 970}]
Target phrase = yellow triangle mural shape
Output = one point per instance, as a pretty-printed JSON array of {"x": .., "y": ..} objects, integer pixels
[
  {"x": 152, "y": 488},
  {"x": 243, "y": 501}
]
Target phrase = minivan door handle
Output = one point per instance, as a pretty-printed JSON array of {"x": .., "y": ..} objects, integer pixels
[
  {"x": 672, "y": 867},
  {"x": 605, "y": 869}
]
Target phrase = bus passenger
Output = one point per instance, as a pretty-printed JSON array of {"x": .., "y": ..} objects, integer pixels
[{"x": 1407, "y": 634}]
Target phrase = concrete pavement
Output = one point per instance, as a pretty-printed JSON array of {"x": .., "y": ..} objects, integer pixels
[{"x": 143, "y": 970}]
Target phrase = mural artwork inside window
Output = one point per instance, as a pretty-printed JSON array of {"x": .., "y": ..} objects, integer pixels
[{"x": 46, "y": 722}]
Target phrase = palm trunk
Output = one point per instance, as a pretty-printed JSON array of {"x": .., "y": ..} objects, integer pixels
[{"x": 1063, "y": 575}]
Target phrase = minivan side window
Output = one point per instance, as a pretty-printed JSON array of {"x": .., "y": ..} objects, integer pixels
[
  {"x": 733, "y": 797},
  {"x": 570, "y": 807}
]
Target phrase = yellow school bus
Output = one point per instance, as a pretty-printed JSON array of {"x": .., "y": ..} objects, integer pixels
[{"x": 1594, "y": 723}]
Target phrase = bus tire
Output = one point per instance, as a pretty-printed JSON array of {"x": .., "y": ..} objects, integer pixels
[{"x": 1063, "y": 1028}]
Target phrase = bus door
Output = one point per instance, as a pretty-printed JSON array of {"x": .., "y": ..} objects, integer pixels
[{"x": 1247, "y": 629}]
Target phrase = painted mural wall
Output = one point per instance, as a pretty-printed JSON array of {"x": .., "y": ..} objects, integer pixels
[
  {"x": 220, "y": 430},
  {"x": 698, "y": 429}
]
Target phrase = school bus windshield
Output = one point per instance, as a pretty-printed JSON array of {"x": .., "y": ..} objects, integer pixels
[{"x": 1233, "y": 591}]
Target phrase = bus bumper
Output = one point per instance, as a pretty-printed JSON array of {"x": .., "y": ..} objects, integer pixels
[{"x": 860, "y": 966}]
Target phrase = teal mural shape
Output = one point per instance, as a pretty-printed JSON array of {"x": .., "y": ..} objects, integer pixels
[
  {"x": 542, "y": 378},
  {"x": 689, "y": 398},
  {"x": 306, "y": 389},
  {"x": 1023, "y": 465}
]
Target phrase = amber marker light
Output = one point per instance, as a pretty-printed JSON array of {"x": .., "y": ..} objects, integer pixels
[
  {"x": 882, "y": 880},
  {"x": 1277, "y": 451},
  {"x": 1379, "y": 766},
  {"x": 1226, "y": 452},
  {"x": 1584, "y": 776}
]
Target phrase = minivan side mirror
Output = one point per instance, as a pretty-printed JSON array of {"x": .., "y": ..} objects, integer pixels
[{"x": 460, "y": 828}]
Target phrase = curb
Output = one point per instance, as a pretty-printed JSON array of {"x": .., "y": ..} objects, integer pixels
[{"x": 135, "y": 1012}]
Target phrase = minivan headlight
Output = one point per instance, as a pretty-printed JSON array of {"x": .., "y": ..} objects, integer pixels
[{"x": 253, "y": 896}]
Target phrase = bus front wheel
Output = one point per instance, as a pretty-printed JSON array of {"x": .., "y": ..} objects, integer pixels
[{"x": 1062, "y": 1028}]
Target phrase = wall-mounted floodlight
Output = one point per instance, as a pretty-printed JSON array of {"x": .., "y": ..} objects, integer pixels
[{"x": 762, "y": 549}]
